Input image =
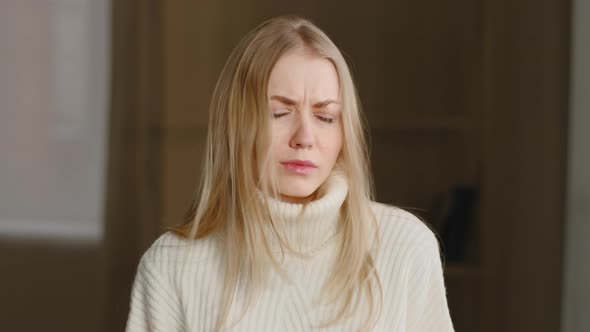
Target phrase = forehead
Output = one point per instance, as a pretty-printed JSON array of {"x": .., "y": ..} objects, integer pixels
[{"x": 303, "y": 76}]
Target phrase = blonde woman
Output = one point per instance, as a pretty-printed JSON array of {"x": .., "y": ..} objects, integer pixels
[{"x": 283, "y": 234}]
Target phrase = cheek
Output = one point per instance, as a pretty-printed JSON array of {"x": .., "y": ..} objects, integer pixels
[
  {"x": 332, "y": 146},
  {"x": 278, "y": 138}
]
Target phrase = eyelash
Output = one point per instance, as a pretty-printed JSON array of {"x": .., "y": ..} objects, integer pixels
[
  {"x": 322, "y": 118},
  {"x": 276, "y": 116},
  {"x": 326, "y": 120}
]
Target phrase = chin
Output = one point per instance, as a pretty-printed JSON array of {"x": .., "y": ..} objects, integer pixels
[
  {"x": 297, "y": 193},
  {"x": 297, "y": 189}
]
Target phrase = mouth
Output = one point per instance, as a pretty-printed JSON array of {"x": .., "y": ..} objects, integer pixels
[{"x": 301, "y": 167}]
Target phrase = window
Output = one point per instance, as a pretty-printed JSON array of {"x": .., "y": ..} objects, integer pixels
[{"x": 53, "y": 121}]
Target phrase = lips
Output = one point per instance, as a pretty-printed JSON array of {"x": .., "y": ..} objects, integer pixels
[{"x": 302, "y": 167}]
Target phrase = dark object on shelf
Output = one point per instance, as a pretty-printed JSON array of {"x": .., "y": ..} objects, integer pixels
[{"x": 458, "y": 223}]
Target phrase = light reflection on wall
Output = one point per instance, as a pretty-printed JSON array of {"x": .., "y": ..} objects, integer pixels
[{"x": 54, "y": 69}]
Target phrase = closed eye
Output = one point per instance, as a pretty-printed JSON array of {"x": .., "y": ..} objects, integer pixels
[
  {"x": 325, "y": 119},
  {"x": 279, "y": 113}
]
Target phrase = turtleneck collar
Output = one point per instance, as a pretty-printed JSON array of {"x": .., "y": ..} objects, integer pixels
[{"x": 320, "y": 220}]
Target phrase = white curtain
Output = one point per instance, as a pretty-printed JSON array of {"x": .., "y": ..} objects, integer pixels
[{"x": 54, "y": 76}]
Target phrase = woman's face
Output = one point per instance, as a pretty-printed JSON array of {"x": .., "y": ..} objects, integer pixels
[{"x": 306, "y": 127}]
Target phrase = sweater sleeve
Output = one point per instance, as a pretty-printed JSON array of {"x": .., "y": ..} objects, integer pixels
[
  {"x": 429, "y": 309},
  {"x": 154, "y": 306}
]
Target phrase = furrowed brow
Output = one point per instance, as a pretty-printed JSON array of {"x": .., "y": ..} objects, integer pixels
[
  {"x": 325, "y": 103},
  {"x": 319, "y": 104},
  {"x": 283, "y": 100}
]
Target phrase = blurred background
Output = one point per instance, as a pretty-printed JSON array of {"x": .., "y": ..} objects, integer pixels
[{"x": 478, "y": 114}]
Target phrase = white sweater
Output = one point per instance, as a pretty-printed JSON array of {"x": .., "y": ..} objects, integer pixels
[{"x": 179, "y": 282}]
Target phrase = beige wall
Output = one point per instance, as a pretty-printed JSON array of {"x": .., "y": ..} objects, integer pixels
[{"x": 576, "y": 296}]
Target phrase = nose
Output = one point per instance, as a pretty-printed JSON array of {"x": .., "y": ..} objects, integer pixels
[{"x": 303, "y": 136}]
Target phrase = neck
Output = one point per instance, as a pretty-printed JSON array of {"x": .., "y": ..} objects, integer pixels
[
  {"x": 299, "y": 200},
  {"x": 310, "y": 225}
]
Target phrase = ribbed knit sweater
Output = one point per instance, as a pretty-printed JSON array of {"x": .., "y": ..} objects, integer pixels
[{"x": 179, "y": 282}]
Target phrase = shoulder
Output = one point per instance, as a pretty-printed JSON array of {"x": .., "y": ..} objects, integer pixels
[
  {"x": 402, "y": 232},
  {"x": 392, "y": 219},
  {"x": 171, "y": 253}
]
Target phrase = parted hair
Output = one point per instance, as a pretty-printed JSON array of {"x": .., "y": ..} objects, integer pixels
[{"x": 237, "y": 163}]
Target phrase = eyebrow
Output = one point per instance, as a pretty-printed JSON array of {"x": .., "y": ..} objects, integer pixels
[{"x": 319, "y": 104}]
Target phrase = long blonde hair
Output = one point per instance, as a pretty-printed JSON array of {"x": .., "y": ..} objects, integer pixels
[{"x": 237, "y": 162}]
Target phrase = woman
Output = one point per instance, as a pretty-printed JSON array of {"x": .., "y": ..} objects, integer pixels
[{"x": 284, "y": 235}]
